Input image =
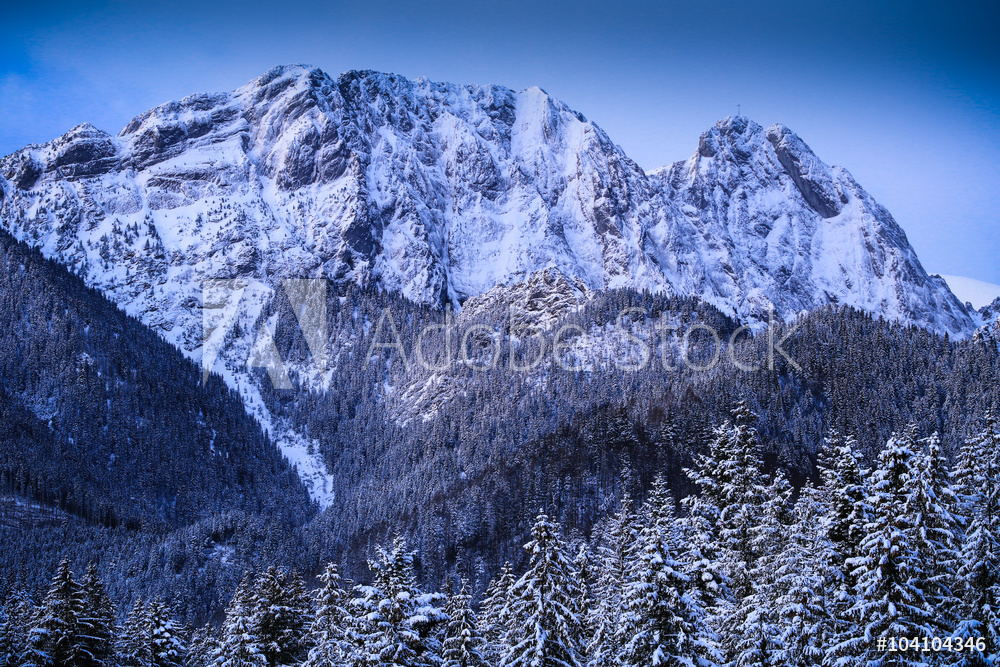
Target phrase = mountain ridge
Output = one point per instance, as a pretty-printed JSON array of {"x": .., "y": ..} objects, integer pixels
[
  {"x": 441, "y": 193},
  {"x": 413, "y": 184}
]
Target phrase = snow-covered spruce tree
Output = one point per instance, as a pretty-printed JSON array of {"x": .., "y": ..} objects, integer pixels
[
  {"x": 329, "y": 635},
  {"x": 166, "y": 642},
  {"x": 889, "y": 601},
  {"x": 463, "y": 644},
  {"x": 54, "y": 639},
  {"x": 97, "y": 622},
  {"x": 584, "y": 567},
  {"x": 132, "y": 646},
  {"x": 20, "y": 613},
  {"x": 202, "y": 648},
  {"x": 617, "y": 539},
  {"x": 7, "y": 655},
  {"x": 977, "y": 475},
  {"x": 845, "y": 482},
  {"x": 754, "y": 636},
  {"x": 493, "y": 611},
  {"x": 544, "y": 628},
  {"x": 279, "y": 616},
  {"x": 663, "y": 623},
  {"x": 702, "y": 555},
  {"x": 933, "y": 513},
  {"x": 239, "y": 645},
  {"x": 804, "y": 585},
  {"x": 731, "y": 483},
  {"x": 399, "y": 623}
]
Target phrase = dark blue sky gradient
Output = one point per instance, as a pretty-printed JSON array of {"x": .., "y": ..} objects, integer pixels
[{"x": 906, "y": 95}]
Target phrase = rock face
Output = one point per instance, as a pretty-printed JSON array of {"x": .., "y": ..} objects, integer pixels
[
  {"x": 442, "y": 193},
  {"x": 781, "y": 227},
  {"x": 990, "y": 317}
]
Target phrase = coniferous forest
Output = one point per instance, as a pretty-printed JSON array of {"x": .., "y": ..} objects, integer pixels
[
  {"x": 747, "y": 570},
  {"x": 691, "y": 513}
]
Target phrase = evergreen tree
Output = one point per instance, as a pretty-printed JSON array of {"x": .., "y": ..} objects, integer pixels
[
  {"x": 133, "y": 644},
  {"x": 544, "y": 628},
  {"x": 494, "y": 609},
  {"x": 239, "y": 645},
  {"x": 279, "y": 616},
  {"x": 977, "y": 474},
  {"x": 55, "y": 638},
  {"x": 97, "y": 621},
  {"x": 614, "y": 553},
  {"x": 329, "y": 635},
  {"x": 166, "y": 643},
  {"x": 803, "y": 582},
  {"x": 7, "y": 655},
  {"x": 932, "y": 509},
  {"x": 463, "y": 643},
  {"x": 846, "y": 484},
  {"x": 583, "y": 566},
  {"x": 703, "y": 558},
  {"x": 731, "y": 482},
  {"x": 202, "y": 648},
  {"x": 663, "y": 623},
  {"x": 20, "y": 617},
  {"x": 757, "y": 640},
  {"x": 889, "y": 600},
  {"x": 399, "y": 622}
]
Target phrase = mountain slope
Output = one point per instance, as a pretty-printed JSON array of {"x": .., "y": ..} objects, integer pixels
[
  {"x": 783, "y": 228},
  {"x": 122, "y": 429},
  {"x": 439, "y": 193}
]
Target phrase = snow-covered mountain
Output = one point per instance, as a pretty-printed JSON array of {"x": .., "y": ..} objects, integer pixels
[
  {"x": 778, "y": 226},
  {"x": 441, "y": 193}
]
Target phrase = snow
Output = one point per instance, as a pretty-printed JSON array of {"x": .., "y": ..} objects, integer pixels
[
  {"x": 977, "y": 292},
  {"x": 426, "y": 188}
]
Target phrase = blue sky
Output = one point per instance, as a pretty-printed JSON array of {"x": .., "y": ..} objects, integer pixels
[{"x": 906, "y": 95}]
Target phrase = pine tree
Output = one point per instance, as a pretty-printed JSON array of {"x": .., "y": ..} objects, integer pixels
[
  {"x": 977, "y": 476},
  {"x": 803, "y": 581},
  {"x": 584, "y": 568},
  {"x": 704, "y": 562},
  {"x": 329, "y": 636},
  {"x": 202, "y": 648},
  {"x": 7, "y": 655},
  {"x": 20, "y": 613},
  {"x": 932, "y": 508},
  {"x": 400, "y": 622},
  {"x": 493, "y": 610},
  {"x": 730, "y": 479},
  {"x": 133, "y": 644},
  {"x": 279, "y": 615},
  {"x": 757, "y": 641},
  {"x": 97, "y": 621},
  {"x": 544, "y": 628},
  {"x": 663, "y": 623},
  {"x": 166, "y": 643},
  {"x": 889, "y": 601},
  {"x": 463, "y": 643},
  {"x": 239, "y": 645},
  {"x": 613, "y": 556},
  {"x": 846, "y": 484},
  {"x": 55, "y": 638}
]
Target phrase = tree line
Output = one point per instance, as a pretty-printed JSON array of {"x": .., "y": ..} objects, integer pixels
[{"x": 747, "y": 572}]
